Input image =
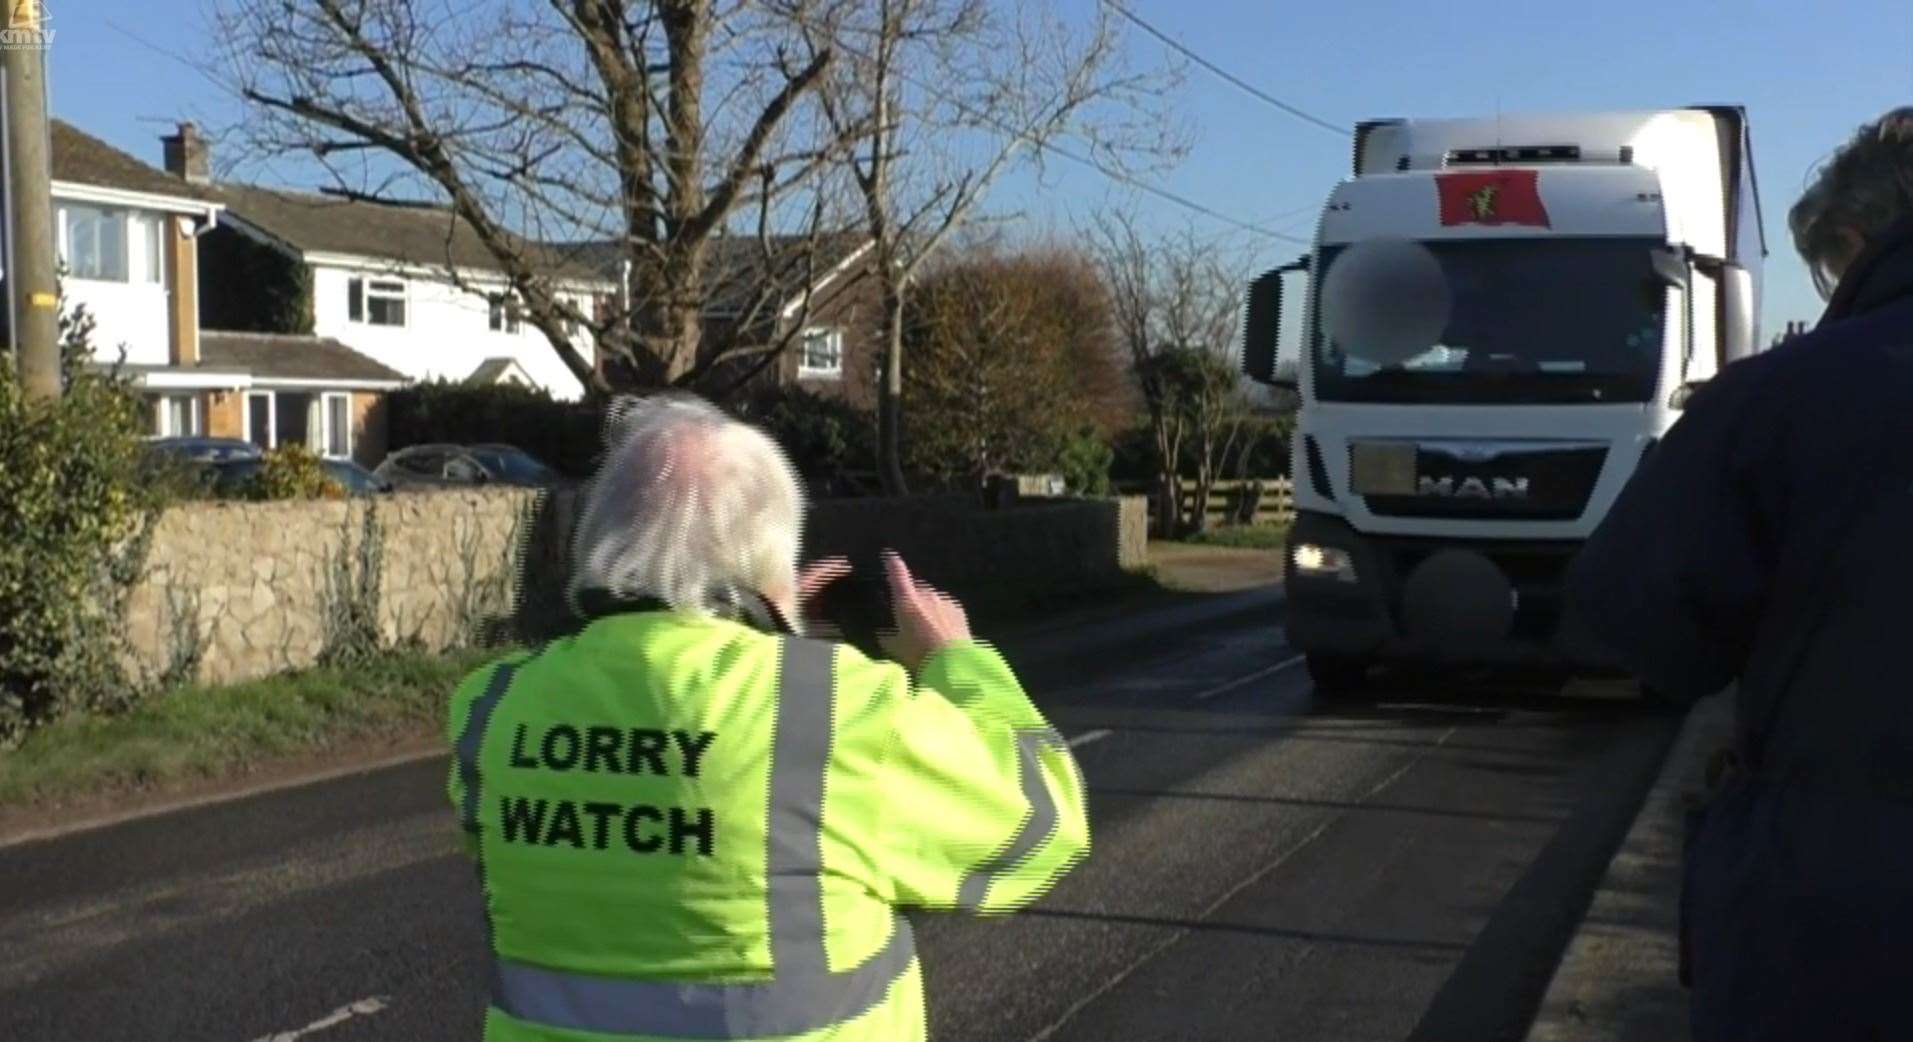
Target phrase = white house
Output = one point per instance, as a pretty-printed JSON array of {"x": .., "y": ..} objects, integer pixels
[
  {"x": 409, "y": 286},
  {"x": 125, "y": 237},
  {"x": 128, "y": 237}
]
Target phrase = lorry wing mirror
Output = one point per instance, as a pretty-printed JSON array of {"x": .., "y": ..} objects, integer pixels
[
  {"x": 1686, "y": 391},
  {"x": 1670, "y": 267},
  {"x": 1262, "y": 328}
]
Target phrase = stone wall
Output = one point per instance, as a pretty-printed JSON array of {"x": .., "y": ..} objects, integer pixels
[
  {"x": 258, "y": 588},
  {"x": 253, "y": 585}
]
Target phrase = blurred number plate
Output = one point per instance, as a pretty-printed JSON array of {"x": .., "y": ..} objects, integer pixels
[{"x": 1382, "y": 468}]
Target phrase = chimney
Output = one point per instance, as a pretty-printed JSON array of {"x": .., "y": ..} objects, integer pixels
[{"x": 186, "y": 155}]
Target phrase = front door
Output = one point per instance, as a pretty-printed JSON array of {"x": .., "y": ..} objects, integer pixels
[
  {"x": 296, "y": 419},
  {"x": 259, "y": 426}
]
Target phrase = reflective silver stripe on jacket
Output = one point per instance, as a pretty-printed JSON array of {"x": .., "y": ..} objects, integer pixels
[
  {"x": 1037, "y": 827},
  {"x": 804, "y": 995}
]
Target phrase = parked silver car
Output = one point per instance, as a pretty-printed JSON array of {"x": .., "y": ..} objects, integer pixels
[{"x": 449, "y": 466}]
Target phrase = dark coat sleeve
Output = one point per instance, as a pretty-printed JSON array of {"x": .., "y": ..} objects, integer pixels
[{"x": 1675, "y": 578}]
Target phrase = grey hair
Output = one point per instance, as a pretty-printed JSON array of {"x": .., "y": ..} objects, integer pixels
[
  {"x": 1864, "y": 189},
  {"x": 689, "y": 506}
]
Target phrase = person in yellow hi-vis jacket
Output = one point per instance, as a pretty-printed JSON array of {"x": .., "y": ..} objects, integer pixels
[{"x": 691, "y": 822}]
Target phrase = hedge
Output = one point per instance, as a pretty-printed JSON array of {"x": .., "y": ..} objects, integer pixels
[
  {"x": 76, "y": 507},
  {"x": 565, "y": 435}
]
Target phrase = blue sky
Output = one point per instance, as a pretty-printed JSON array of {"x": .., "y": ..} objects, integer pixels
[{"x": 1808, "y": 73}]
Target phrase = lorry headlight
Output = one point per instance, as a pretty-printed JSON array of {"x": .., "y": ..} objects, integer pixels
[{"x": 1323, "y": 562}]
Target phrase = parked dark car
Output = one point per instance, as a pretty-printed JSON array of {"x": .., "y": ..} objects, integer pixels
[
  {"x": 231, "y": 475},
  {"x": 449, "y": 466},
  {"x": 203, "y": 450}
]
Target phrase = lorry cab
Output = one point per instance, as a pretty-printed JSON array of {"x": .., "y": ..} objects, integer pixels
[{"x": 1502, "y": 317}]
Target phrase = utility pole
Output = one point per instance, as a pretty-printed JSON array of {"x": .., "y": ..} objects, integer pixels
[{"x": 30, "y": 273}]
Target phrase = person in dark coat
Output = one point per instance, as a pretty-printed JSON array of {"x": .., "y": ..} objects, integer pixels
[{"x": 1767, "y": 543}]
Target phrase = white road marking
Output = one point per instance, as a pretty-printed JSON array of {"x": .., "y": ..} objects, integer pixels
[
  {"x": 1090, "y": 736},
  {"x": 362, "y": 1008},
  {"x": 1289, "y": 663}
]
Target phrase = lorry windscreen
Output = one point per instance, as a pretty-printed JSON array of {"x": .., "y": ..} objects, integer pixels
[{"x": 1524, "y": 321}]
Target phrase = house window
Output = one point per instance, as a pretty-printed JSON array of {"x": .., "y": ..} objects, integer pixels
[
  {"x": 821, "y": 353},
  {"x": 338, "y": 425},
  {"x": 321, "y": 422},
  {"x": 95, "y": 242},
  {"x": 505, "y": 316},
  {"x": 146, "y": 235},
  {"x": 377, "y": 302},
  {"x": 176, "y": 415}
]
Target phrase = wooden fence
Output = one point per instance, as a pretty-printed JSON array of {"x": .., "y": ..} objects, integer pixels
[{"x": 1229, "y": 500}]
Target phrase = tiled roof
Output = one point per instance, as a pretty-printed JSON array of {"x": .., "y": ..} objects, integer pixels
[
  {"x": 279, "y": 356},
  {"x": 408, "y": 233},
  {"x": 81, "y": 158}
]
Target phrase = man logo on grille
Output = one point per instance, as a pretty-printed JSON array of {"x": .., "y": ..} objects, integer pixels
[{"x": 1472, "y": 487}]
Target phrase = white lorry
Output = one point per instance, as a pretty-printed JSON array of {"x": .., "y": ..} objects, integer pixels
[{"x": 1504, "y": 315}]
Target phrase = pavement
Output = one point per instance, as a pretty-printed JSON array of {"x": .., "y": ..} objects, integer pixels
[
  {"x": 1408, "y": 864},
  {"x": 1618, "y": 981}
]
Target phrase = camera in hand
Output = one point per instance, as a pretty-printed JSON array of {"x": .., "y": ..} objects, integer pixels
[{"x": 856, "y": 607}]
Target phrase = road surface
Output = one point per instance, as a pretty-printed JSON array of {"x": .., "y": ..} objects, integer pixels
[{"x": 1408, "y": 865}]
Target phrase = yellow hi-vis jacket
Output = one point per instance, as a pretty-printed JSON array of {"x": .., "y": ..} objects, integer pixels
[{"x": 686, "y": 828}]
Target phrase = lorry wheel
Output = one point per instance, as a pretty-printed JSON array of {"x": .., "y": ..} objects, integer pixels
[{"x": 1336, "y": 675}]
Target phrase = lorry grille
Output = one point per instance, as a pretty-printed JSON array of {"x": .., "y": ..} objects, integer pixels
[{"x": 1513, "y": 484}]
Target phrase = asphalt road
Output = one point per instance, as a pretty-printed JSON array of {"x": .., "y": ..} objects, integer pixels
[{"x": 1408, "y": 865}]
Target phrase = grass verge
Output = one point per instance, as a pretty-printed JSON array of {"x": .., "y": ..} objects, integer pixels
[{"x": 215, "y": 731}]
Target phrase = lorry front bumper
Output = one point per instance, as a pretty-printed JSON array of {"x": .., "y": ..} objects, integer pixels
[{"x": 1437, "y": 601}]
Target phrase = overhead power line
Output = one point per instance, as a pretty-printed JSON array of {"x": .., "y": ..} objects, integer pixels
[
  {"x": 1165, "y": 194},
  {"x": 1100, "y": 167},
  {"x": 1232, "y": 78}
]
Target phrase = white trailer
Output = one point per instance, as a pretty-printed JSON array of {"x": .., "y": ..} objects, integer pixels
[{"x": 1504, "y": 315}]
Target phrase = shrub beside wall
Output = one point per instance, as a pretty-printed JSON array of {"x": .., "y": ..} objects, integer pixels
[
  {"x": 292, "y": 472},
  {"x": 74, "y": 513}
]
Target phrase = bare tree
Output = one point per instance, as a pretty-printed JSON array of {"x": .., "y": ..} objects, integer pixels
[
  {"x": 1175, "y": 304},
  {"x": 944, "y": 97},
  {"x": 652, "y": 124}
]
